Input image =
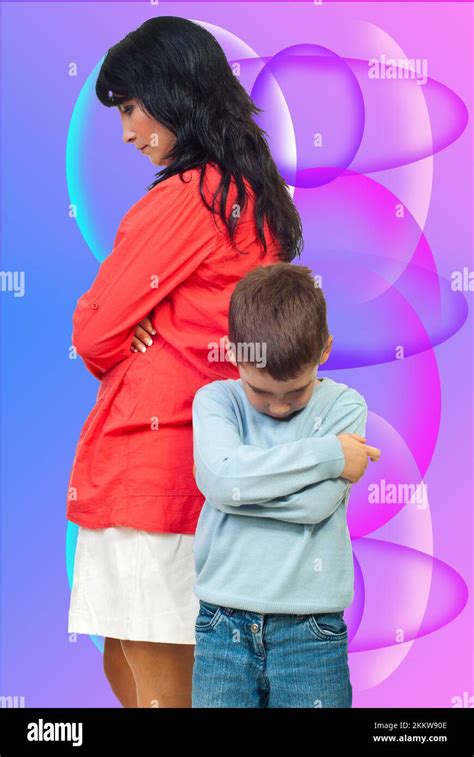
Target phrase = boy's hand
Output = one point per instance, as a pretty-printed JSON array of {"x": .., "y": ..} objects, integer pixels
[
  {"x": 142, "y": 339},
  {"x": 357, "y": 455}
]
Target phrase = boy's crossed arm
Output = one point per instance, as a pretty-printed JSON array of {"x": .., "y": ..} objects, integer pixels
[{"x": 297, "y": 481}]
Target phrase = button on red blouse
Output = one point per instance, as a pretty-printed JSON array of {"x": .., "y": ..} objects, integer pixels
[{"x": 133, "y": 464}]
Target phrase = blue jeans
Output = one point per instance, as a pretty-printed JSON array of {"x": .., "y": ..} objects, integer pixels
[{"x": 249, "y": 659}]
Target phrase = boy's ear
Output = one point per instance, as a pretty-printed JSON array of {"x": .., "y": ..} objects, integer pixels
[
  {"x": 327, "y": 350},
  {"x": 229, "y": 351}
]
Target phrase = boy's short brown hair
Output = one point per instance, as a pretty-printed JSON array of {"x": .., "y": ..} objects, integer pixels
[{"x": 282, "y": 307}]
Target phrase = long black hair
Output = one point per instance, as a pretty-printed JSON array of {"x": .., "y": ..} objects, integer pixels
[{"x": 179, "y": 74}]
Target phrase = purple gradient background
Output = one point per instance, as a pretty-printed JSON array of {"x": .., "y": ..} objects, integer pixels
[{"x": 46, "y": 396}]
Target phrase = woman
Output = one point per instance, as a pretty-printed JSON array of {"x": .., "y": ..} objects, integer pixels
[{"x": 218, "y": 209}]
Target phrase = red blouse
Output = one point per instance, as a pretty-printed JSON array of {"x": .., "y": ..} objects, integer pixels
[{"x": 134, "y": 458}]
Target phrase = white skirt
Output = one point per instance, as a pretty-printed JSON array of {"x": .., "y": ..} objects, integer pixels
[{"x": 131, "y": 584}]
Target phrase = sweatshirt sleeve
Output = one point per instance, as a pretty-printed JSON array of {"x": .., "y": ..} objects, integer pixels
[
  {"x": 156, "y": 248},
  {"x": 232, "y": 474},
  {"x": 316, "y": 502}
]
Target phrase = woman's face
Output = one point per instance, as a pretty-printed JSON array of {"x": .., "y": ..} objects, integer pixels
[{"x": 148, "y": 135}]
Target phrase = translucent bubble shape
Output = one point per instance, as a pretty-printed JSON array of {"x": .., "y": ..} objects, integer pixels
[
  {"x": 415, "y": 314},
  {"x": 71, "y": 541},
  {"x": 324, "y": 113},
  {"x": 312, "y": 100},
  {"x": 401, "y": 594}
]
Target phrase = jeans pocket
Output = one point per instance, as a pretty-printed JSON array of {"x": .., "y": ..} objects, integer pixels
[
  {"x": 328, "y": 626},
  {"x": 208, "y": 616}
]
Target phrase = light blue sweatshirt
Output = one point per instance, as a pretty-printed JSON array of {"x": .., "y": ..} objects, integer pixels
[{"x": 272, "y": 536}]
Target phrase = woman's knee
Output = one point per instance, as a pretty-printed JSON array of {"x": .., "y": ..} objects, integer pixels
[
  {"x": 142, "y": 657},
  {"x": 119, "y": 673},
  {"x": 163, "y": 672},
  {"x": 113, "y": 657},
  {"x": 149, "y": 655}
]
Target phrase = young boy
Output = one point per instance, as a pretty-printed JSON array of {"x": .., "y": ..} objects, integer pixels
[{"x": 275, "y": 454}]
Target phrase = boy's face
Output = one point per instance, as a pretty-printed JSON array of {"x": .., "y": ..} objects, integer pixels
[{"x": 278, "y": 399}]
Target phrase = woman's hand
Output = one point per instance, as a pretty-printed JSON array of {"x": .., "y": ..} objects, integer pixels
[{"x": 141, "y": 339}]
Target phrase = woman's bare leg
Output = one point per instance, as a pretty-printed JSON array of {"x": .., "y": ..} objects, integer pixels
[
  {"x": 163, "y": 672},
  {"x": 119, "y": 673}
]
